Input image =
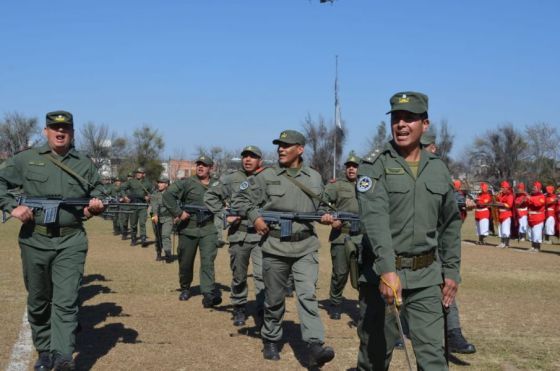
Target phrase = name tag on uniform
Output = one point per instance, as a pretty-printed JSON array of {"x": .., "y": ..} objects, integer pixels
[
  {"x": 36, "y": 163},
  {"x": 273, "y": 182},
  {"x": 394, "y": 170}
]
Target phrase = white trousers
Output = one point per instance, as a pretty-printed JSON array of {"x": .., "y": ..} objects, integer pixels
[
  {"x": 536, "y": 233},
  {"x": 523, "y": 224},
  {"x": 505, "y": 228},
  {"x": 549, "y": 226},
  {"x": 482, "y": 227}
]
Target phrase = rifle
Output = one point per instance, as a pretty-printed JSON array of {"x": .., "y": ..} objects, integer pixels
[
  {"x": 285, "y": 219},
  {"x": 203, "y": 214},
  {"x": 51, "y": 204}
]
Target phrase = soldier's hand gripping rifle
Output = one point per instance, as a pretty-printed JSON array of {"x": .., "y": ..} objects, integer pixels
[{"x": 203, "y": 214}]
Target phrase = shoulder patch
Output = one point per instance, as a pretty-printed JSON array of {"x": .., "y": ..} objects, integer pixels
[
  {"x": 374, "y": 155},
  {"x": 364, "y": 184},
  {"x": 243, "y": 186}
]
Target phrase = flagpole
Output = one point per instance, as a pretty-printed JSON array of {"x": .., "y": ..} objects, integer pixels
[{"x": 336, "y": 115}]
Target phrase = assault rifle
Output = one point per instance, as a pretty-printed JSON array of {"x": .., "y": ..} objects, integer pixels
[
  {"x": 51, "y": 204},
  {"x": 285, "y": 219},
  {"x": 203, "y": 214}
]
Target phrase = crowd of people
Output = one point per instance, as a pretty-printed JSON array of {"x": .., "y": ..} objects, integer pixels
[{"x": 408, "y": 243}]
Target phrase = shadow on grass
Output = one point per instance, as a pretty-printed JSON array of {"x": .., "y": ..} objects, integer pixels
[
  {"x": 93, "y": 342},
  {"x": 348, "y": 307}
]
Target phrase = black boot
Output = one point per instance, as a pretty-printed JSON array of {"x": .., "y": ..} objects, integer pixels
[
  {"x": 457, "y": 343},
  {"x": 185, "y": 295},
  {"x": 168, "y": 258},
  {"x": 158, "y": 256},
  {"x": 239, "y": 315},
  {"x": 211, "y": 300},
  {"x": 44, "y": 362},
  {"x": 63, "y": 363},
  {"x": 124, "y": 234},
  {"x": 133, "y": 240},
  {"x": 319, "y": 355},
  {"x": 259, "y": 320},
  {"x": 480, "y": 240},
  {"x": 270, "y": 351},
  {"x": 143, "y": 240},
  {"x": 335, "y": 312}
]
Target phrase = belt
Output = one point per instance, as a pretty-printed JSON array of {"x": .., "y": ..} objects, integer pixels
[
  {"x": 522, "y": 209},
  {"x": 57, "y": 231},
  {"x": 244, "y": 228},
  {"x": 295, "y": 237},
  {"x": 551, "y": 209},
  {"x": 536, "y": 212},
  {"x": 346, "y": 230},
  {"x": 503, "y": 210},
  {"x": 415, "y": 262},
  {"x": 484, "y": 209}
]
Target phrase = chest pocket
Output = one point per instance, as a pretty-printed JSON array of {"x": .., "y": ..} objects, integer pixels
[
  {"x": 36, "y": 177},
  {"x": 394, "y": 186},
  {"x": 437, "y": 191},
  {"x": 276, "y": 190}
]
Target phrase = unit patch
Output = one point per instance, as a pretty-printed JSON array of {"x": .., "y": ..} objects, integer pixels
[
  {"x": 243, "y": 186},
  {"x": 364, "y": 184}
]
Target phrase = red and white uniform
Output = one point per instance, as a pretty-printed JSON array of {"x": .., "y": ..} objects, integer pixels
[
  {"x": 482, "y": 211},
  {"x": 505, "y": 211},
  {"x": 551, "y": 204},
  {"x": 521, "y": 210},
  {"x": 536, "y": 206}
]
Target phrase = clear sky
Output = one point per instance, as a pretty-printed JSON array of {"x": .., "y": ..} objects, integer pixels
[{"x": 231, "y": 72}]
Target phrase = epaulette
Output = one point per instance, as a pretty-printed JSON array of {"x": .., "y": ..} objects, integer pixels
[{"x": 372, "y": 157}]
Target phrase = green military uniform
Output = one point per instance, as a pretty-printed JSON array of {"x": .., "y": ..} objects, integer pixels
[
  {"x": 243, "y": 239},
  {"x": 193, "y": 234},
  {"x": 124, "y": 218},
  {"x": 114, "y": 191},
  {"x": 136, "y": 190},
  {"x": 272, "y": 190},
  {"x": 342, "y": 195},
  {"x": 53, "y": 255},
  {"x": 406, "y": 215},
  {"x": 164, "y": 226}
]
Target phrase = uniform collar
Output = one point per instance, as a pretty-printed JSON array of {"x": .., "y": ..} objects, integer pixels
[
  {"x": 304, "y": 169},
  {"x": 425, "y": 157},
  {"x": 46, "y": 149}
]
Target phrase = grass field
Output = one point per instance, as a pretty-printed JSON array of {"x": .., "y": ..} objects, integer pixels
[{"x": 131, "y": 318}]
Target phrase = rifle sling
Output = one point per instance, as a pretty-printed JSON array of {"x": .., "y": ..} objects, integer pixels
[
  {"x": 309, "y": 192},
  {"x": 71, "y": 172}
]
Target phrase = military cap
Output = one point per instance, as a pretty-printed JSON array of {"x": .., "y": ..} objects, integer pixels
[
  {"x": 118, "y": 179},
  {"x": 163, "y": 179},
  {"x": 352, "y": 159},
  {"x": 140, "y": 170},
  {"x": 130, "y": 175},
  {"x": 252, "y": 149},
  {"x": 290, "y": 137},
  {"x": 60, "y": 118},
  {"x": 429, "y": 137},
  {"x": 205, "y": 160},
  {"x": 409, "y": 101}
]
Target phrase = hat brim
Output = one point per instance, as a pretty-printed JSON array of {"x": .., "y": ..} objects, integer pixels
[
  {"x": 203, "y": 163},
  {"x": 351, "y": 162},
  {"x": 279, "y": 141},
  {"x": 417, "y": 111},
  {"x": 248, "y": 151}
]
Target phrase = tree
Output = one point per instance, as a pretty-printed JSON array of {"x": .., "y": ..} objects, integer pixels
[
  {"x": 380, "y": 138},
  {"x": 444, "y": 143},
  {"x": 543, "y": 150},
  {"x": 319, "y": 146},
  {"x": 96, "y": 141},
  {"x": 499, "y": 154},
  {"x": 17, "y": 132},
  {"x": 147, "y": 146}
]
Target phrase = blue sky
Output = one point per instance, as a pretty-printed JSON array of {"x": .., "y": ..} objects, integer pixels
[{"x": 231, "y": 73}]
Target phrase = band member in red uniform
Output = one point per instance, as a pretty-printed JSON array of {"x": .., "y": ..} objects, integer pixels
[
  {"x": 521, "y": 210},
  {"x": 550, "y": 222},
  {"x": 461, "y": 199},
  {"x": 482, "y": 212},
  {"x": 505, "y": 205},
  {"x": 536, "y": 206}
]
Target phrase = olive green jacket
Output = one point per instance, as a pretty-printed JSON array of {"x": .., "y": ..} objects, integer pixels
[
  {"x": 406, "y": 215},
  {"x": 136, "y": 190},
  {"x": 342, "y": 195},
  {"x": 219, "y": 196},
  {"x": 188, "y": 191},
  {"x": 271, "y": 190},
  {"x": 37, "y": 176},
  {"x": 157, "y": 207}
]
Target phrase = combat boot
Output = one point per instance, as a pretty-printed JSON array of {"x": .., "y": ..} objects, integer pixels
[
  {"x": 270, "y": 351},
  {"x": 335, "y": 312},
  {"x": 158, "y": 256},
  {"x": 239, "y": 315},
  {"x": 143, "y": 241},
  {"x": 44, "y": 362},
  {"x": 124, "y": 235},
  {"x": 133, "y": 240},
  {"x": 168, "y": 258},
  {"x": 319, "y": 355},
  {"x": 62, "y": 363},
  {"x": 185, "y": 295},
  {"x": 457, "y": 342},
  {"x": 480, "y": 240},
  {"x": 211, "y": 300}
]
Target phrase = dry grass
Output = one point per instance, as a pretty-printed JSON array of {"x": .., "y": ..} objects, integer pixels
[{"x": 131, "y": 318}]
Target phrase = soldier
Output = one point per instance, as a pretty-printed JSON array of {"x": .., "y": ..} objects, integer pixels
[
  {"x": 124, "y": 217},
  {"x": 505, "y": 205},
  {"x": 162, "y": 221},
  {"x": 115, "y": 190},
  {"x": 137, "y": 190},
  {"x": 536, "y": 205},
  {"x": 194, "y": 233},
  {"x": 242, "y": 236},
  {"x": 288, "y": 187},
  {"x": 482, "y": 213},
  {"x": 428, "y": 141},
  {"x": 342, "y": 194},
  {"x": 52, "y": 255},
  {"x": 550, "y": 222},
  {"x": 409, "y": 215},
  {"x": 521, "y": 211}
]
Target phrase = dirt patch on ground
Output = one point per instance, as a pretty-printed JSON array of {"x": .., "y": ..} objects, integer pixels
[{"x": 130, "y": 316}]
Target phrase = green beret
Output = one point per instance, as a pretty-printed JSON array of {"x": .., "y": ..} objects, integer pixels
[
  {"x": 205, "y": 160},
  {"x": 409, "y": 101},
  {"x": 290, "y": 137},
  {"x": 60, "y": 118},
  {"x": 252, "y": 149}
]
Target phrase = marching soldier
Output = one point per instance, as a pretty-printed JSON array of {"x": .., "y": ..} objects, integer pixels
[
  {"x": 482, "y": 213},
  {"x": 409, "y": 215},
  {"x": 550, "y": 222},
  {"x": 342, "y": 194},
  {"x": 195, "y": 233},
  {"x": 521, "y": 211},
  {"x": 115, "y": 191},
  {"x": 137, "y": 190},
  {"x": 242, "y": 236},
  {"x": 536, "y": 205},
  {"x": 288, "y": 187},
  {"x": 162, "y": 221},
  {"x": 53, "y": 255},
  {"x": 505, "y": 205},
  {"x": 124, "y": 217}
]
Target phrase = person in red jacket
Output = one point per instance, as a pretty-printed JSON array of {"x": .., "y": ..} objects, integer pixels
[
  {"x": 521, "y": 211},
  {"x": 536, "y": 206},
  {"x": 482, "y": 212},
  {"x": 551, "y": 204},
  {"x": 505, "y": 205}
]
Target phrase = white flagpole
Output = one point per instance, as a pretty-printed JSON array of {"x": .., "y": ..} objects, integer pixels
[{"x": 337, "y": 124}]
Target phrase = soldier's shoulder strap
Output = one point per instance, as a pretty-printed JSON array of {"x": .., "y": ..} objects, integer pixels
[
  {"x": 372, "y": 157},
  {"x": 309, "y": 192},
  {"x": 71, "y": 172}
]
